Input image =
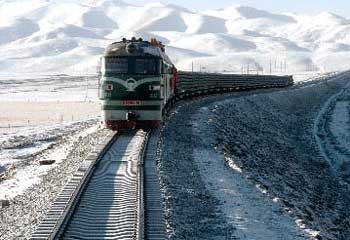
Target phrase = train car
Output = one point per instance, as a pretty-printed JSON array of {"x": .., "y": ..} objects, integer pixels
[
  {"x": 199, "y": 83},
  {"x": 136, "y": 81}
]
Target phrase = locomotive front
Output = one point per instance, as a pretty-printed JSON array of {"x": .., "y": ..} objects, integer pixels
[{"x": 131, "y": 85}]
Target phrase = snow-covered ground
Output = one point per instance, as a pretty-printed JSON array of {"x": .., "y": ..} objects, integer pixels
[
  {"x": 48, "y": 89},
  {"x": 21, "y": 152},
  {"x": 332, "y": 132},
  {"x": 264, "y": 145},
  {"x": 248, "y": 165},
  {"x": 49, "y": 118},
  {"x": 252, "y": 214},
  {"x": 20, "y": 117},
  {"x": 39, "y": 37},
  {"x": 31, "y": 187}
]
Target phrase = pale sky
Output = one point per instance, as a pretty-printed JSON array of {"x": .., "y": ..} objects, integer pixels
[{"x": 311, "y": 7}]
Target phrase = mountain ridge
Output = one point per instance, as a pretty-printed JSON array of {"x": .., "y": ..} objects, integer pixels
[{"x": 233, "y": 36}]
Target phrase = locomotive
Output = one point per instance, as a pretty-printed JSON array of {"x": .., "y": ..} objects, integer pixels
[{"x": 138, "y": 83}]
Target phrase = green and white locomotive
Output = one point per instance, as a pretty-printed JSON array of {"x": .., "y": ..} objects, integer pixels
[{"x": 136, "y": 81}]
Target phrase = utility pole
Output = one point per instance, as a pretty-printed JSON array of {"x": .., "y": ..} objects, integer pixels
[
  {"x": 192, "y": 66},
  {"x": 87, "y": 81},
  {"x": 275, "y": 64},
  {"x": 285, "y": 65},
  {"x": 270, "y": 67},
  {"x": 281, "y": 67}
]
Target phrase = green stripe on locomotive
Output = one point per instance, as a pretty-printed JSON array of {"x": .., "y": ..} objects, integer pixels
[
  {"x": 134, "y": 81},
  {"x": 136, "y": 108},
  {"x": 121, "y": 90}
]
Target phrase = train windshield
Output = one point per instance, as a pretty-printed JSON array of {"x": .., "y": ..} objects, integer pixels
[
  {"x": 131, "y": 65},
  {"x": 117, "y": 65},
  {"x": 145, "y": 66}
]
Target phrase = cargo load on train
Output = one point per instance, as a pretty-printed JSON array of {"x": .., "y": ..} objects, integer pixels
[{"x": 138, "y": 83}]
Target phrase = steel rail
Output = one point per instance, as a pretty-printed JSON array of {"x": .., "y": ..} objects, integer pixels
[{"x": 99, "y": 201}]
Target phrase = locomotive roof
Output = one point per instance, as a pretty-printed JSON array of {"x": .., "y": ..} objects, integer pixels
[{"x": 129, "y": 48}]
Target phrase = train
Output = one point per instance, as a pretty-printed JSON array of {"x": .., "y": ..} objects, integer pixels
[{"x": 138, "y": 83}]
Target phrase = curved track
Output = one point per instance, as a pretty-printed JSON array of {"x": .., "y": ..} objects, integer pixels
[
  {"x": 107, "y": 198},
  {"x": 108, "y": 208}
]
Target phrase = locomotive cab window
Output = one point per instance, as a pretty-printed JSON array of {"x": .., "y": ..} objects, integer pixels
[
  {"x": 116, "y": 65},
  {"x": 166, "y": 68},
  {"x": 145, "y": 66}
]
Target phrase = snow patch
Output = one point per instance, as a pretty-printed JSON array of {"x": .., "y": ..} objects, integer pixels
[
  {"x": 332, "y": 133},
  {"x": 97, "y": 19},
  {"x": 17, "y": 29},
  {"x": 210, "y": 43},
  {"x": 31, "y": 172},
  {"x": 246, "y": 206}
]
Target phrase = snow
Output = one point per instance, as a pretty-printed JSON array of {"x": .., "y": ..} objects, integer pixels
[
  {"x": 27, "y": 209},
  {"x": 272, "y": 144},
  {"x": 171, "y": 21},
  {"x": 49, "y": 89},
  {"x": 97, "y": 19},
  {"x": 251, "y": 160},
  {"x": 49, "y": 37},
  {"x": 19, "y": 149},
  {"x": 236, "y": 12},
  {"x": 13, "y": 9},
  {"x": 242, "y": 202},
  {"x": 340, "y": 124},
  {"x": 17, "y": 29},
  {"x": 198, "y": 23},
  {"x": 43, "y": 38},
  {"x": 332, "y": 133},
  {"x": 70, "y": 31},
  {"x": 211, "y": 43},
  {"x": 22, "y": 180}
]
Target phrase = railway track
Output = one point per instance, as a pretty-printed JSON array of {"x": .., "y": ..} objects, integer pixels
[{"x": 115, "y": 194}]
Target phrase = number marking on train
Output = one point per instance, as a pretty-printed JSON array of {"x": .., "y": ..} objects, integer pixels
[{"x": 132, "y": 102}]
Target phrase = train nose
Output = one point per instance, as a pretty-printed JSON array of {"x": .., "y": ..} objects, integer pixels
[{"x": 131, "y": 116}]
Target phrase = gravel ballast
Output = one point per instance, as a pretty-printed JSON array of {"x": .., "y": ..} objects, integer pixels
[{"x": 269, "y": 136}]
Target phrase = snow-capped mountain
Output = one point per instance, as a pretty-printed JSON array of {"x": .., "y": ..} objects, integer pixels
[{"x": 49, "y": 37}]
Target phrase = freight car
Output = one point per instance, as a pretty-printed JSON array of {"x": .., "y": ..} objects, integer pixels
[{"x": 138, "y": 82}]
